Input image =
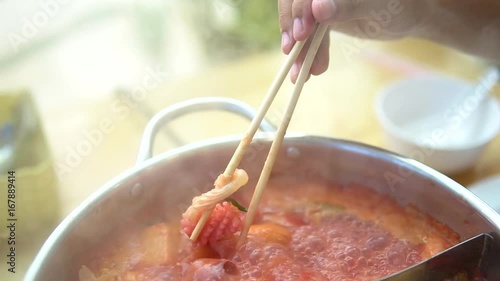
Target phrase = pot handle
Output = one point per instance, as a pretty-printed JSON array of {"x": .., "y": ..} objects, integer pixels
[{"x": 193, "y": 105}]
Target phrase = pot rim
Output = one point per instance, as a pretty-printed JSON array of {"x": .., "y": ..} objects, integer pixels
[{"x": 66, "y": 224}]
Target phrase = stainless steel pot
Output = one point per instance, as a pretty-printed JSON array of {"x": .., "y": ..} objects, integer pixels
[{"x": 171, "y": 179}]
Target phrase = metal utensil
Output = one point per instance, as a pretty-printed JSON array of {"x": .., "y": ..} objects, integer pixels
[{"x": 468, "y": 256}]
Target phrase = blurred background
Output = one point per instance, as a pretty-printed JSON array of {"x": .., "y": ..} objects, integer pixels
[{"x": 80, "y": 79}]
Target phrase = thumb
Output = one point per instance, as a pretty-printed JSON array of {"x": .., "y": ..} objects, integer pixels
[{"x": 332, "y": 11}]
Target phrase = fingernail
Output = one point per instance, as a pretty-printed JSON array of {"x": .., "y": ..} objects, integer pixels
[
  {"x": 298, "y": 27},
  {"x": 294, "y": 72},
  {"x": 285, "y": 41},
  {"x": 326, "y": 9}
]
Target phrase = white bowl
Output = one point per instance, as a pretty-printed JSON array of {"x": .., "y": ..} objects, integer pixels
[{"x": 437, "y": 120}]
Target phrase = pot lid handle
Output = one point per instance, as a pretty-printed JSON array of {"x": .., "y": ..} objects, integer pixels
[{"x": 190, "y": 106}]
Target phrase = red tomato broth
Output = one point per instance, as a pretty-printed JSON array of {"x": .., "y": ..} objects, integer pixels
[{"x": 359, "y": 235}]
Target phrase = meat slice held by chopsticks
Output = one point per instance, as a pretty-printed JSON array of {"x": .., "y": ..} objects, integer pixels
[{"x": 225, "y": 219}]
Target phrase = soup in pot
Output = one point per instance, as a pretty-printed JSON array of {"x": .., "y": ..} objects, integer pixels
[{"x": 302, "y": 231}]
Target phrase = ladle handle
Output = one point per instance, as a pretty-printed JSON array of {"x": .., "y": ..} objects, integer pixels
[{"x": 191, "y": 106}]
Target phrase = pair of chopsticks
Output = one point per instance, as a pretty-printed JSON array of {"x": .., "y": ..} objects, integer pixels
[{"x": 280, "y": 134}]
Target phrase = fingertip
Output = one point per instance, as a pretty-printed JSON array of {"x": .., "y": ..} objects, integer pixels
[
  {"x": 322, "y": 59},
  {"x": 307, "y": 20},
  {"x": 323, "y": 10},
  {"x": 302, "y": 29},
  {"x": 298, "y": 29},
  {"x": 319, "y": 67},
  {"x": 287, "y": 42},
  {"x": 318, "y": 71}
]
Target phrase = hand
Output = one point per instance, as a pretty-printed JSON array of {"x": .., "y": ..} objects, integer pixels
[{"x": 369, "y": 19}]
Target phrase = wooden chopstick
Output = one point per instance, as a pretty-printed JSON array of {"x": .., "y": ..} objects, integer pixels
[
  {"x": 273, "y": 152},
  {"x": 254, "y": 126}
]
